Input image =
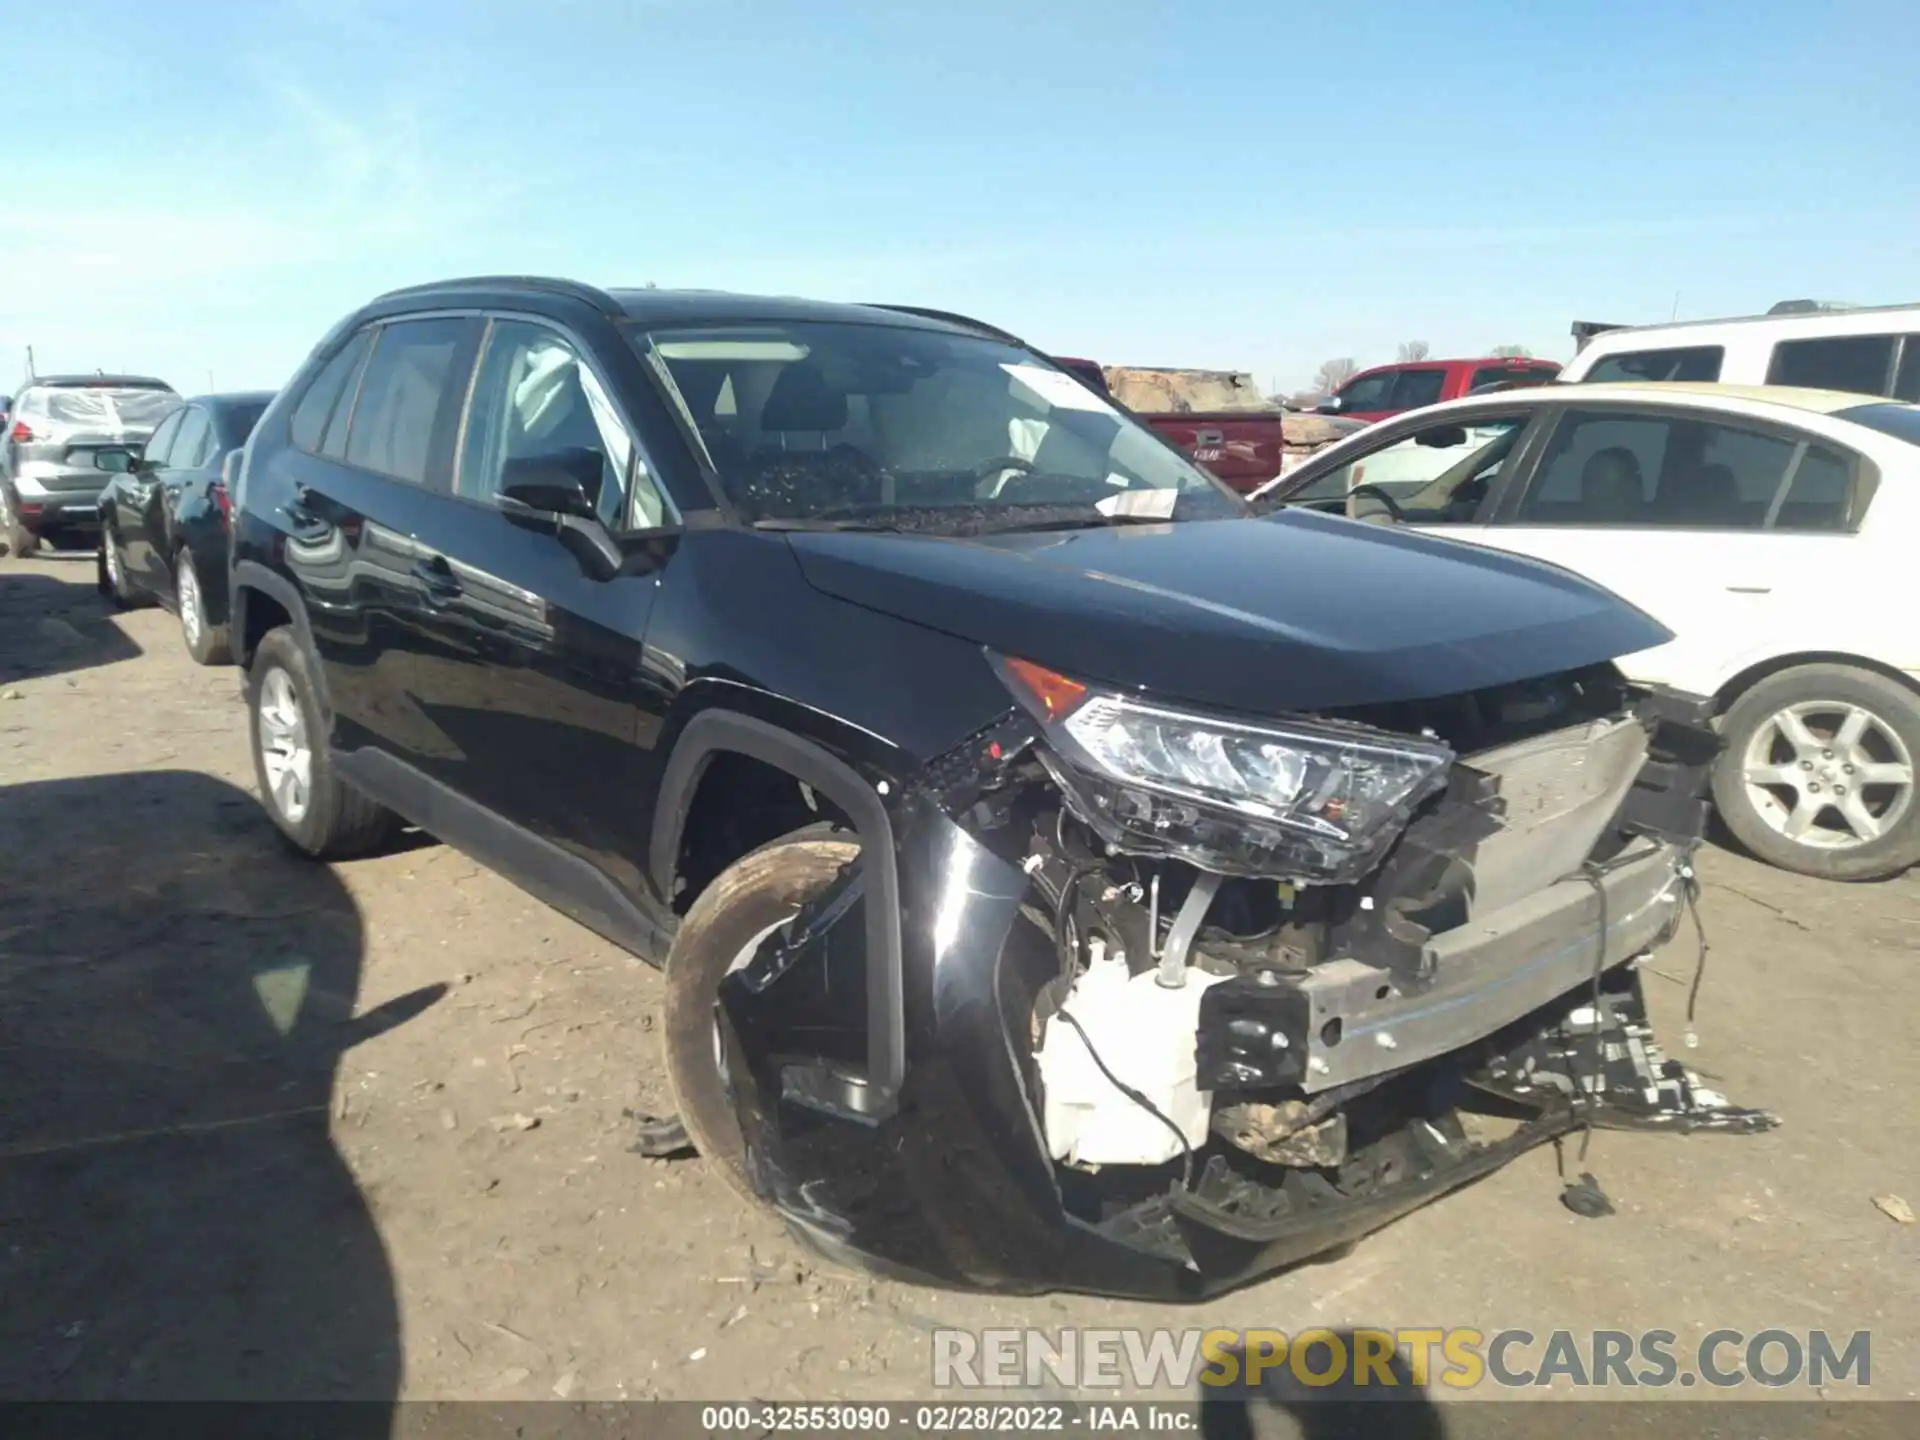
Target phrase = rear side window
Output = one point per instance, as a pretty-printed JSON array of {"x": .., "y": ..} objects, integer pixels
[
  {"x": 1696, "y": 362},
  {"x": 1613, "y": 469},
  {"x": 1861, "y": 363},
  {"x": 1906, "y": 384},
  {"x": 400, "y": 397},
  {"x": 316, "y": 407},
  {"x": 1414, "y": 388}
]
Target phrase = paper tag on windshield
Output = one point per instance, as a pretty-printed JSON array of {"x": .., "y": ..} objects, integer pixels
[
  {"x": 1057, "y": 388},
  {"x": 1141, "y": 504}
]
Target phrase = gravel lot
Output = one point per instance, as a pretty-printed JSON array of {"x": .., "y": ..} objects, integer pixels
[{"x": 269, "y": 1128}]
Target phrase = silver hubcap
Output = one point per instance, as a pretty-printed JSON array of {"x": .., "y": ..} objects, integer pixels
[
  {"x": 113, "y": 560},
  {"x": 188, "y": 585},
  {"x": 1829, "y": 775},
  {"x": 285, "y": 755}
]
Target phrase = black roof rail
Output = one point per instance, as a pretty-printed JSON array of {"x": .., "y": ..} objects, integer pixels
[
  {"x": 574, "y": 289},
  {"x": 925, "y": 313}
]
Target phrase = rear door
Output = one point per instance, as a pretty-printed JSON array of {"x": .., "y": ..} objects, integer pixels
[
  {"x": 530, "y": 657},
  {"x": 372, "y": 443},
  {"x": 1728, "y": 531}
]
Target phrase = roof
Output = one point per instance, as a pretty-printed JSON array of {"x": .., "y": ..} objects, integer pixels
[
  {"x": 234, "y": 397},
  {"x": 1850, "y": 312},
  {"x": 1818, "y": 402},
  {"x": 720, "y": 307},
  {"x": 1517, "y": 361},
  {"x": 132, "y": 382},
  {"x": 676, "y": 307}
]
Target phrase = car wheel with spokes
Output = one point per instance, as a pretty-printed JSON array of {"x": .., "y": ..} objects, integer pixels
[
  {"x": 315, "y": 809},
  {"x": 1818, "y": 774},
  {"x": 113, "y": 574},
  {"x": 206, "y": 642}
]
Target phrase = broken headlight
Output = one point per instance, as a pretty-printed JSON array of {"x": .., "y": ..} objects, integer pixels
[{"x": 1306, "y": 800}]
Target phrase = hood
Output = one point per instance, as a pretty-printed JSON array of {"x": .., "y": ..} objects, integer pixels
[{"x": 1298, "y": 611}]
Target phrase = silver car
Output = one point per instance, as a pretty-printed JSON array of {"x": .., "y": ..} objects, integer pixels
[{"x": 49, "y": 483}]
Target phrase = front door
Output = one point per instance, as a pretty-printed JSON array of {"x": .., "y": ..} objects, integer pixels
[
  {"x": 1726, "y": 532},
  {"x": 530, "y": 662},
  {"x": 136, "y": 495},
  {"x": 194, "y": 446}
]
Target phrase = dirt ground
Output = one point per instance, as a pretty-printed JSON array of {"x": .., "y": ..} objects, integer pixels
[{"x": 276, "y": 1129}]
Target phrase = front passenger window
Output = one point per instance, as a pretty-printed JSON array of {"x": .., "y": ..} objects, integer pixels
[{"x": 540, "y": 413}]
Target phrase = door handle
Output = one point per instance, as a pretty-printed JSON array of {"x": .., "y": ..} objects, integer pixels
[
  {"x": 1749, "y": 589},
  {"x": 437, "y": 579}
]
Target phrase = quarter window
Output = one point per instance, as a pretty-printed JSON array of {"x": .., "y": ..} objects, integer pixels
[
  {"x": 1858, "y": 363},
  {"x": 1609, "y": 469},
  {"x": 540, "y": 414},
  {"x": 1695, "y": 362},
  {"x": 310, "y": 416},
  {"x": 400, "y": 397}
]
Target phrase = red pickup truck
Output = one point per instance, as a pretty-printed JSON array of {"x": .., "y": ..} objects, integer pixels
[
  {"x": 1389, "y": 389},
  {"x": 1218, "y": 417}
]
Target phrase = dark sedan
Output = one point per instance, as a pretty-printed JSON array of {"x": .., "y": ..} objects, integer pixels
[{"x": 164, "y": 516}]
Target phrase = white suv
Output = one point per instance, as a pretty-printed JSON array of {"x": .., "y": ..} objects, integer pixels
[
  {"x": 1869, "y": 350},
  {"x": 1772, "y": 530}
]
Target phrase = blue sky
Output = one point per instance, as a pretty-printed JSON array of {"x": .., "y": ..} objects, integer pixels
[{"x": 204, "y": 189}]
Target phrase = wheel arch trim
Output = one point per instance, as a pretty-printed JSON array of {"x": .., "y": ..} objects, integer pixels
[{"x": 723, "y": 731}]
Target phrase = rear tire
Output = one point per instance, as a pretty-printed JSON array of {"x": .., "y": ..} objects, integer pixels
[
  {"x": 748, "y": 898},
  {"x": 319, "y": 813},
  {"x": 1802, "y": 805},
  {"x": 205, "y": 641},
  {"x": 15, "y": 539}
]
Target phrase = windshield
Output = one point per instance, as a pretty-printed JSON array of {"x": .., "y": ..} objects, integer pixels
[
  {"x": 109, "y": 409},
  {"x": 874, "y": 424}
]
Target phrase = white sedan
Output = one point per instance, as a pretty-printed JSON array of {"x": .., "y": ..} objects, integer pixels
[{"x": 1776, "y": 532}]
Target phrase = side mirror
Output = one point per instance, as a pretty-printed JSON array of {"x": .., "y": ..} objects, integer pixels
[
  {"x": 549, "y": 484},
  {"x": 1444, "y": 438},
  {"x": 546, "y": 492},
  {"x": 1332, "y": 405},
  {"x": 118, "y": 460}
]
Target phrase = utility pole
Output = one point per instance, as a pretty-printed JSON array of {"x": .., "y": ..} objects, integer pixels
[{"x": 29, "y": 362}]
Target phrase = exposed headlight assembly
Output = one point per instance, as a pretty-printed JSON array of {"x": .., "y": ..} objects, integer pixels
[{"x": 1302, "y": 799}]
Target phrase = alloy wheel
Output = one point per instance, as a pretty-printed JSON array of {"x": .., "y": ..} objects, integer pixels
[
  {"x": 1829, "y": 775},
  {"x": 286, "y": 756},
  {"x": 187, "y": 587}
]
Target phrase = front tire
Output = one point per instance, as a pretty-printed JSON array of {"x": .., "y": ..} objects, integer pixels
[
  {"x": 748, "y": 899},
  {"x": 319, "y": 813},
  {"x": 112, "y": 573},
  {"x": 1818, "y": 775},
  {"x": 206, "y": 642}
]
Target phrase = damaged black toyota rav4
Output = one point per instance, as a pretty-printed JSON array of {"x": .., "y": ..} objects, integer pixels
[{"x": 1064, "y": 879}]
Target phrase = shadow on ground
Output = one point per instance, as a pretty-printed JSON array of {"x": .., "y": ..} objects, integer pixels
[
  {"x": 176, "y": 991},
  {"x": 1280, "y": 1403},
  {"x": 54, "y": 625}
]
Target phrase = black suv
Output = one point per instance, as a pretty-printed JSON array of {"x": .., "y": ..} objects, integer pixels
[{"x": 1063, "y": 877}]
